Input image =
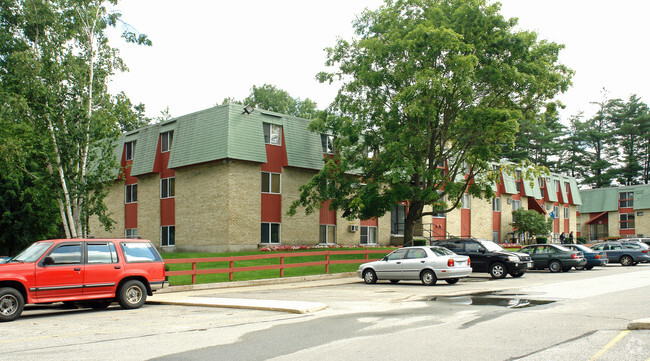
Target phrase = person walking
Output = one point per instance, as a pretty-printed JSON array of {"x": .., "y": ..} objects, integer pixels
[
  {"x": 562, "y": 238},
  {"x": 571, "y": 237}
]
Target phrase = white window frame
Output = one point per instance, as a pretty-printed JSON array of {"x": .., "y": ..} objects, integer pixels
[
  {"x": 566, "y": 213},
  {"x": 465, "y": 202},
  {"x": 327, "y": 143},
  {"x": 129, "y": 150},
  {"x": 328, "y": 227},
  {"x": 131, "y": 233},
  {"x": 270, "y": 233},
  {"x": 627, "y": 221},
  {"x": 166, "y": 242},
  {"x": 166, "y": 139},
  {"x": 367, "y": 235},
  {"x": 272, "y": 134},
  {"x": 626, "y": 199},
  {"x": 166, "y": 186},
  {"x": 516, "y": 204},
  {"x": 131, "y": 193},
  {"x": 496, "y": 204},
  {"x": 271, "y": 183}
]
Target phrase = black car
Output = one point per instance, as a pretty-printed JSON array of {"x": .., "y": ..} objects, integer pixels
[{"x": 487, "y": 256}]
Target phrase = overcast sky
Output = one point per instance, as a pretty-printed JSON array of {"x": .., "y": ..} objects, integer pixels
[{"x": 205, "y": 51}]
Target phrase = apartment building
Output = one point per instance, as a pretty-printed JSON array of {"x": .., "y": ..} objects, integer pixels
[
  {"x": 615, "y": 212},
  {"x": 222, "y": 179}
]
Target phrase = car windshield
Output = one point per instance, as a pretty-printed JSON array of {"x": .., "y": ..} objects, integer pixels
[
  {"x": 491, "y": 246},
  {"x": 32, "y": 253},
  {"x": 441, "y": 251}
]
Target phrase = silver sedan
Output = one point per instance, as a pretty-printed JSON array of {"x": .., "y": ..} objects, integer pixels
[{"x": 427, "y": 264}]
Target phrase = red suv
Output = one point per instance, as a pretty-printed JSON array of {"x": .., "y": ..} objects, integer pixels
[{"x": 95, "y": 271}]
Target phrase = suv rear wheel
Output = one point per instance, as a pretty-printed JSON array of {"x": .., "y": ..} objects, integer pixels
[
  {"x": 132, "y": 294},
  {"x": 11, "y": 304}
]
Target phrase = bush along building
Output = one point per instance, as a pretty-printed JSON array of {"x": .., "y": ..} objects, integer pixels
[
  {"x": 222, "y": 179},
  {"x": 616, "y": 212}
]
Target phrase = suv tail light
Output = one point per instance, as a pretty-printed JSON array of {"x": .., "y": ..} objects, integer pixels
[{"x": 450, "y": 262}]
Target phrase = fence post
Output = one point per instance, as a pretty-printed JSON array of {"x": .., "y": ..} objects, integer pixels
[
  {"x": 327, "y": 262},
  {"x": 193, "y": 272},
  {"x": 281, "y": 266},
  {"x": 367, "y": 253},
  {"x": 231, "y": 265}
]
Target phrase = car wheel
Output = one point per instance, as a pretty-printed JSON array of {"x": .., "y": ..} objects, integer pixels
[
  {"x": 12, "y": 304},
  {"x": 517, "y": 274},
  {"x": 369, "y": 276},
  {"x": 580, "y": 268},
  {"x": 626, "y": 261},
  {"x": 452, "y": 281},
  {"x": 555, "y": 266},
  {"x": 132, "y": 294},
  {"x": 498, "y": 270},
  {"x": 589, "y": 267},
  {"x": 428, "y": 278},
  {"x": 394, "y": 281}
]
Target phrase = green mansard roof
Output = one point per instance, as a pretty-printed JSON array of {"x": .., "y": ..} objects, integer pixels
[{"x": 606, "y": 199}]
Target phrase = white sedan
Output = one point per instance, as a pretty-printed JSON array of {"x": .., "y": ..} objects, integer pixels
[{"x": 426, "y": 263}]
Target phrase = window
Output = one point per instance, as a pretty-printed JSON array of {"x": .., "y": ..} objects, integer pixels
[
  {"x": 440, "y": 208},
  {"x": 368, "y": 235},
  {"x": 327, "y": 233},
  {"x": 271, "y": 183},
  {"x": 131, "y": 191},
  {"x": 626, "y": 199},
  {"x": 416, "y": 253},
  {"x": 167, "y": 188},
  {"x": 129, "y": 150},
  {"x": 495, "y": 236},
  {"x": 518, "y": 180},
  {"x": 272, "y": 134},
  {"x": 566, "y": 212},
  {"x": 67, "y": 254},
  {"x": 397, "y": 255},
  {"x": 496, "y": 204},
  {"x": 168, "y": 236},
  {"x": 472, "y": 247},
  {"x": 327, "y": 142},
  {"x": 166, "y": 141},
  {"x": 464, "y": 202},
  {"x": 270, "y": 233},
  {"x": 131, "y": 233},
  {"x": 139, "y": 252},
  {"x": 556, "y": 212},
  {"x": 627, "y": 220},
  {"x": 557, "y": 186},
  {"x": 540, "y": 181},
  {"x": 516, "y": 204},
  {"x": 397, "y": 217},
  {"x": 102, "y": 253}
]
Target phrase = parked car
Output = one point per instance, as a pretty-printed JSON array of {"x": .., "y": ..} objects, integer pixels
[
  {"x": 487, "y": 256},
  {"x": 93, "y": 271},
  {"x": 554, "y": 257},
  {"x": 426, "y": 263},
  {"x": 621, "y": 253},
  {"x": 594, "y": 258},
  {"x": 636, "y": 239}
]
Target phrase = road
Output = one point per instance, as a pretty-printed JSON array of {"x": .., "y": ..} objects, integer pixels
[{"x": 575, "y": 316}]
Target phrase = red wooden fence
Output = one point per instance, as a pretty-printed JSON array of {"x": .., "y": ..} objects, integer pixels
[{"x": 282, "y": 266}]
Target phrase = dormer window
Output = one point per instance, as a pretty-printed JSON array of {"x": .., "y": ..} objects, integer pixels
[
  {"x": 166, "y": 141},
  {"x": 327, "y": 142},
  {"x": 272, "y": 134},
  {"x": 129, "y": 150}
]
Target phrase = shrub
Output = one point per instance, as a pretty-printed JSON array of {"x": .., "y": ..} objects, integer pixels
[
  {"x": 419, "y": 242},
  {"x": 541, "y": 240},
  {"x": 581, "y": 240}
]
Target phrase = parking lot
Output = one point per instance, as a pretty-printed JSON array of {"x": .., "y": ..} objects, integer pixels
[{"x": 585, "y": 312}]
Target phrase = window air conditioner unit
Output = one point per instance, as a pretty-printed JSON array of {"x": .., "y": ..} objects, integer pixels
[{"x": 353, "y": 228}]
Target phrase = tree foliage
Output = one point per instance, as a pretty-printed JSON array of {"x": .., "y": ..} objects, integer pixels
[
  {"x": 55, "y": 63},
  {"x": 430, "y": 90},
  {"x": 531, "y": 223},
  {"x": 271, "y": 98}
]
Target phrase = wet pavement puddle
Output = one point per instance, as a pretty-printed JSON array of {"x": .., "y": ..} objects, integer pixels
[{"x": 492, "y": 299}]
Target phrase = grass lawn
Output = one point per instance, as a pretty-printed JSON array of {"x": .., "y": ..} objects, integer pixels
[{"x": 254, "y": 275}]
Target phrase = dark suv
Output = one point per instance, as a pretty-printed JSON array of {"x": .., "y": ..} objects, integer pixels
[{"x": 487, "y": 256}]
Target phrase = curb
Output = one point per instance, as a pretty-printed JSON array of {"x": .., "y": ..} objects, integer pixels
[
  {"x": 250, "y": 304},
  {"x": 640, "y": 324}
]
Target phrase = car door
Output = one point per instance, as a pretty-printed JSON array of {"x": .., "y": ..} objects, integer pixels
[
  {"x": 62, "y": 280},
  {"x": 542, "y": 256},
  {"x": 413, "y": 263},
  {"x": 614, "y": 252},
  {"x": 103, "y": 269},
  {"x": 477, "y": 254},
  {"x": 390, "y": 268}
]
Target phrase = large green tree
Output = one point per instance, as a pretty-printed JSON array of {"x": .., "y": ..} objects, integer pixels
[
  {"x": 531, "y": 223},
  {"x": 55, "y": 63},
  {"x": 632, "y": 123},
  {"x": 431, "y": 89}
]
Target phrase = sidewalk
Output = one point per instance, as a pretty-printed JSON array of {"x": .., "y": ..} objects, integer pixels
[{"x": 206, "y": 295}]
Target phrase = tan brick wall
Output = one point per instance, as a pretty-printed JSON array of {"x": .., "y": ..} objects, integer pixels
[
  {"x": 642, "y": 223},
  {"x": 300, "y": 228},
  {"x": 453, "y": 222},
  {"x": 200, "y": 202},
  {"x": 383, "y": 230},
  {"x": 614, "y": 225},
  {"x": 115, "y": 203},
  {"x": 244, "y": 206},
  {"x": 149, "y": 207},
  {"x": 481, "y": 218}
]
